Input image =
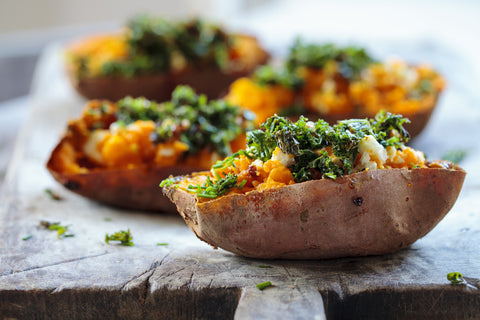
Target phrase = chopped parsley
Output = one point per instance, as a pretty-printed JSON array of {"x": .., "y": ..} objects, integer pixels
[
  {"x": 190, "y": 118},
  {"x": 124, "y": 237},
  {"x": 162, "y": 244},
  {"x": 303, "y": 138},
  {"x": 153, "y": 43},
  {"x": 351, "y": 60},
  {"x": 30, "y": 236},
  {"x": 268, "y": 75},
  {"x": 52, "y": 195},
  {"x": 455, "y": 278},
  {"x": 215, "y": 188},
  {"x": 310, "y": 144},
  {"x": 264, "y": 285},
  {"x": 56, "y": 226}
]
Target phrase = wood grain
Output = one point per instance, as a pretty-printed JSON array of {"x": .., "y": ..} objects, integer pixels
[{"x": 82, "y": 277}]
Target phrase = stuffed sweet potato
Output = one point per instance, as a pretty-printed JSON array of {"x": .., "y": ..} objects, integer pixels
[
  {"x": 324, "y": 81},
  {"x": 307, "y": 190},
  {"x": 116, "y": 153},
  {"x": 152, "y": 56}
]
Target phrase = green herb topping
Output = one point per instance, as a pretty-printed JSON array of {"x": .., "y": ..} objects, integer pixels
[
  {"x": 302, "y": 138},
  {"x": 190, "y": 118},
  {"x": 264, "y": 285},
  {"x": 123, "y": 236},
  {"x": 154, "y": 43},
  {"x": 61, "y": 230},
  {"x": 307, "y": 142},
  {"x": 30, "y": 236},
  {"x": 268, "y": 75},
  {"x": 351, "y": 60}
]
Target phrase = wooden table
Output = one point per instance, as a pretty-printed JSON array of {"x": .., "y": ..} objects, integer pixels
[{"x": 82, "y": 277}]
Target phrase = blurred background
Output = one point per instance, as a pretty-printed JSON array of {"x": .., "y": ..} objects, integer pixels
[{"x": 444, "y": 33}]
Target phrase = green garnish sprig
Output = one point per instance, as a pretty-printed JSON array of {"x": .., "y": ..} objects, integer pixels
[
  {"x": 351, "y": 60},
  {"x": 52, "y": 195},
  {"x": 189, "y": 118},
  {"x": 308, "y": 143},
  {"x": 263, "y": 285},
  {"x": 124, "y": 237},
  {"x": 456, "y": 278},
  {"x": 154, "y": 42},
  {"x": 268, "y": 75},
  {"x": 56, "y": 226},
  {"x": 216, "y": 188}
]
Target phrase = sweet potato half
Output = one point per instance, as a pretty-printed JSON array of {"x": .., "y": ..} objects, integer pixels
[
  {"x": 152, "y": 56},
  {"x": 117, "y": 153},
  {"x": 367, "y": 213},
  {"x": 130, "y": 188},
  {"x": 308, "y": 190},
  {"x": 335, "y": 83}
]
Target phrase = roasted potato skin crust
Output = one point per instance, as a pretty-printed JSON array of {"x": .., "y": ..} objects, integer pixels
[
  {"x": 367, "y": 213},
  {"x": 136, "y": 188}
]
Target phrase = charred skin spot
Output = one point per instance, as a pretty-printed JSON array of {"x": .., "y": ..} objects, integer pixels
[
  {"x": 71, "y": 185},
  {"x": 304, "y": 216},
  {"x": 357, "y": 201}
]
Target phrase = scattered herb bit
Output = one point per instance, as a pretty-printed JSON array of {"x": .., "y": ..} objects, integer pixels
[
  {"x": 61, "y": 230},
  {"x": 162, "y": 244},
  {"x": 455, "y": 156},
  {"x": 30, "y": 236},
  {"x": 53, "y": 195},
  {"x": 455, "y": 278},
  {"x": 107, "y": 219},
  {"x": 264, "y": 266},
  {"x": 123, "y": 236},
  {"x": 264, "y": 285}
]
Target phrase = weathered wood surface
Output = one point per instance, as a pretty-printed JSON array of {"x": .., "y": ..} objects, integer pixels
[{"x": 82, "y": 277}]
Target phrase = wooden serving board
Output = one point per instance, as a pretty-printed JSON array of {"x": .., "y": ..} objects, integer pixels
[{"x": 82, "y": 277}]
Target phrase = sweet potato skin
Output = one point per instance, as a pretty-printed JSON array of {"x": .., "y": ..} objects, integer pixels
[
  {"x": 368, "y": 213},
  {"x": 130, "y": 188}
]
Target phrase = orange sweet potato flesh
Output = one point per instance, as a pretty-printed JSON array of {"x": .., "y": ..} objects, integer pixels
[
  {"x": 368, "y": 213},
  {"x": 131, "y": 188}
]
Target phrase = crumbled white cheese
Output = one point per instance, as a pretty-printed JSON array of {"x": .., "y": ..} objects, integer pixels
[
  {"x": 166, "y": 152},
  {"x": 257, "y": 163},
  {"x": 90, "y": 148},
  {"x": 310, "y": 125},
  {"x": 285, "y": 159},
  {"x": 372, "y": 154}
]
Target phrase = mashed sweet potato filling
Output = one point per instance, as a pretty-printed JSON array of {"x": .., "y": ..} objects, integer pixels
[{"x": 274, "y": 173}]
